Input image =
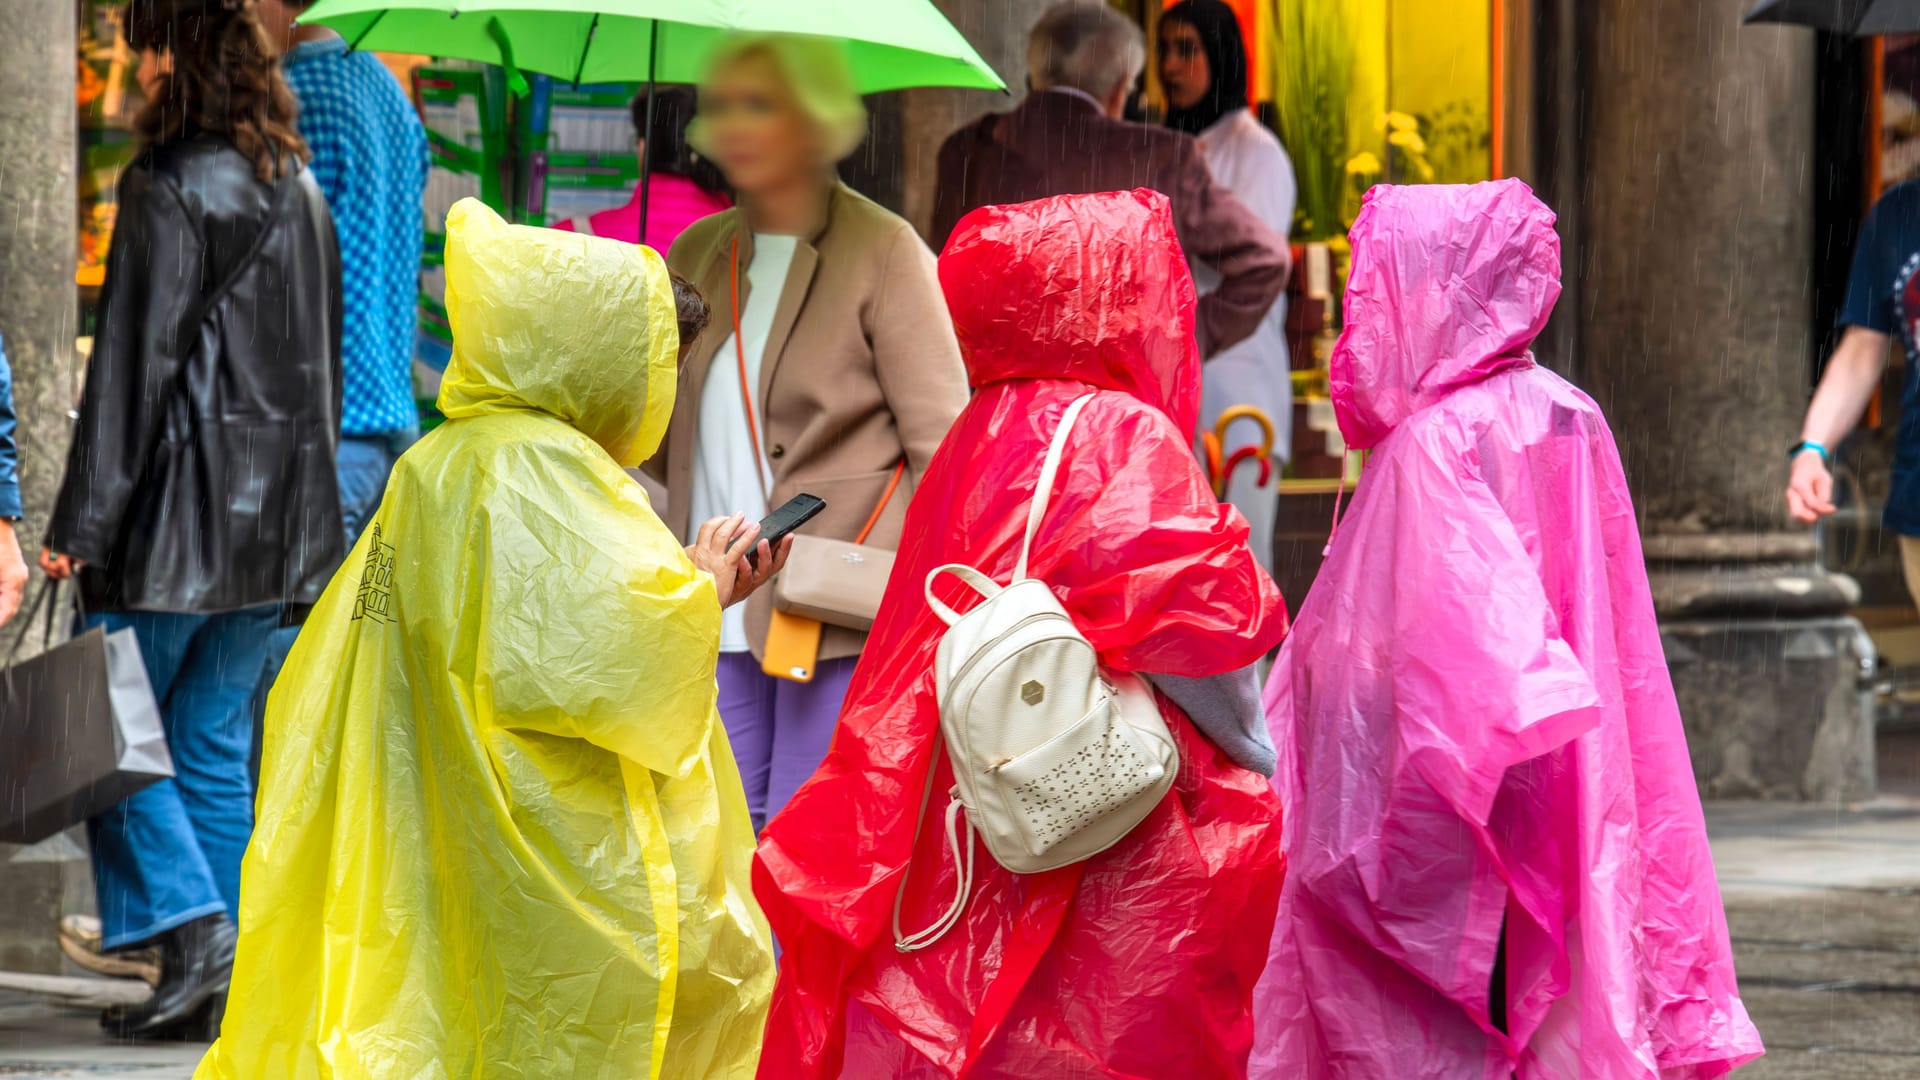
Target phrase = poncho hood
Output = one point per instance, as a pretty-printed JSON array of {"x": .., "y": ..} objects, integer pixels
[
  {"x": 1092, "y": 288},
  {"x": 583, "y": 330},
  {"x": 1450, "y": 284}
]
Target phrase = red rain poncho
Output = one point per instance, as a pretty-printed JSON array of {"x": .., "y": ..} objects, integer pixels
[
  {"x": 1135, "y": 963},
  {"x": 1473, "y": 714}
]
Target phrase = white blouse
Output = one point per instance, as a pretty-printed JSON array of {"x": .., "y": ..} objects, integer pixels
[
  {"x": 1249, "y": 161},
  {"x": 727, "y": 475}
]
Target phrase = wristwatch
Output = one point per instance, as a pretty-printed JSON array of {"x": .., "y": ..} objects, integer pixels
[{"x": 1826, "y": 455}]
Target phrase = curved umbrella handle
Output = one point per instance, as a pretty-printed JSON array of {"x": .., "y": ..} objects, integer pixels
[
  {"x": 1245, "y": 454},
  {"x": 1216, "y": 469},
  {"x": 1246, "y": 412}
]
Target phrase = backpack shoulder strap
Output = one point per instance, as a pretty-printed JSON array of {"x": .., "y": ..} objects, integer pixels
[{"x": 1043, "y": 493}]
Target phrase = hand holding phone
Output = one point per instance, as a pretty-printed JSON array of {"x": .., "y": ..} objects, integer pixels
[{"x": 780, "y": 524}]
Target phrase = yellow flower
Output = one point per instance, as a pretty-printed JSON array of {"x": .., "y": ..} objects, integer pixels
[
  {"x": 1363, "y": 164},
  {"x": 1410, "y": 141},
  {"x": 1399, "y": 121}
]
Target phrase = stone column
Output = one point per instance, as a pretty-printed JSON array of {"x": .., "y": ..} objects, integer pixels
[
  {"x": 37, "y": 250},
  {"x": 1694, "y": 331},
  {"x": 998, "y": 30}
]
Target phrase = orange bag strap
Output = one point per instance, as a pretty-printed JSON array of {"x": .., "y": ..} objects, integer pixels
[
  {"x": 898, "y": 471},
  {"x": 753, "y": 430},
  {"x": 746, "y": 391}
]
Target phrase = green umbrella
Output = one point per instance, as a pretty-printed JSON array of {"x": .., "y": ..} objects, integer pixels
[{"x": 892, "y": 44}]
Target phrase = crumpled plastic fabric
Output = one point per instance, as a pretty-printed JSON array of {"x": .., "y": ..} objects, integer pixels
[
  {"x": 1473, "y": 713},
  {"x": 500, "y": 830},
  {"x": 1134, "y": 963}
]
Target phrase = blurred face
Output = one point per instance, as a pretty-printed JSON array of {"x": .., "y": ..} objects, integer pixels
[
  {"x": 758, "y": 135},
  {"x": 1183, "y": 64},
  {"x": 154, "y": 69}
]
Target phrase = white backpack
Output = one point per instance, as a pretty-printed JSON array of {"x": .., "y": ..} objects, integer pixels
[{"x": 1054, "y": 760}]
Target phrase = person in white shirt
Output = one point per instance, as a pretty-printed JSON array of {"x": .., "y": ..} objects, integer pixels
[{"x": 1203, "y": 66}]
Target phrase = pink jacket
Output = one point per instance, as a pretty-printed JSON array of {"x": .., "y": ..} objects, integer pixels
[
  {"x": 673, "y": 203},
  {"x": 1473, "y": 715}
]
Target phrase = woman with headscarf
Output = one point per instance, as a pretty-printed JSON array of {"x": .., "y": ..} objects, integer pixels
[
  {"x": 1133, "y": 963},
  {"x": 1203, "y": 68},
  {"x": 832, "y": 371},
  {"x": 501, "y": 834},
  {"x": 1497, "y": 864}
]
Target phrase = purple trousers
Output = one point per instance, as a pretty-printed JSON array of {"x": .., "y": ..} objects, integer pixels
[{"x": 779, "y": 729}]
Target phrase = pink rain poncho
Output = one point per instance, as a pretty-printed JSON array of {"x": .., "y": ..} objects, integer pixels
[{"x": 1473, "y": 714}]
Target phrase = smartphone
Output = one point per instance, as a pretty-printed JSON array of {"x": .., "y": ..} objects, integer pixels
[{"x": 778, "y": 525}]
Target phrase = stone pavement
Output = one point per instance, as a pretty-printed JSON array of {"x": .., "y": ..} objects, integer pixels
[
  {"x": 1824, "y": 908},
  {"x": 42, "y": 1042},
  {"x": 1823, "y": 902}
]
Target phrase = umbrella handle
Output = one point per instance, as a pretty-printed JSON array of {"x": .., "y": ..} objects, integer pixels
[
  {"x": 1246, "y": 412},
  {"x": 1245, "y": 454},
  {"x": 646, "y": 154},
  {"x": 1216, "y": 471}
]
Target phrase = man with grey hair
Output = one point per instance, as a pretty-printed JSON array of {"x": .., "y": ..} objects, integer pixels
[
  {"x": 1089, "y": 47},
  {"x": 1067, "y": 138}
]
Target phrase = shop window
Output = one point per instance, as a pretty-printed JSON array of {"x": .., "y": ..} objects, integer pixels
[
  {"x": 107, "y": 97},
  {"x": 1371, "y": 91}
]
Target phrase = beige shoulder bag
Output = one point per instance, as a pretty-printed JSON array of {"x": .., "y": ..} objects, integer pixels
[
  {"x": 825, "y": 581},
  {"x": 837, "y": 582}
]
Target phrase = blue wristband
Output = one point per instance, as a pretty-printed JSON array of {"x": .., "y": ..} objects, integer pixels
[{"x": 1826, "y": 455}]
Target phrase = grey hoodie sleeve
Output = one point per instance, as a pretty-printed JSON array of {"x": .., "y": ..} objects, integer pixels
[{"x": 1227, "y": 710}]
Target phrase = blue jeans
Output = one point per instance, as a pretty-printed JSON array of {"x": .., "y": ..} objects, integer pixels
[
  {"x": 171, "y": 853},
  {"x": 362, "y": 466}
]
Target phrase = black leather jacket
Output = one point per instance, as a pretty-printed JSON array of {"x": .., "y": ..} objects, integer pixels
[{"x": 201, "y": 477}]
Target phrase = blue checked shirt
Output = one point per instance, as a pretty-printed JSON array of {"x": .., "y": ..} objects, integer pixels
[{"x": 370, "y": 159}]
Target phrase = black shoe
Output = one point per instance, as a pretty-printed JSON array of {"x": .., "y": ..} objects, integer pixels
[
  {"x": 203, "y": 1026},
  {"x": 196, "y": 964}
]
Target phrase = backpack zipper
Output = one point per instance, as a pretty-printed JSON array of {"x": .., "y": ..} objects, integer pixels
[
  {"x": 966, "y": 669},
  {"x": 998, "y": 661}
]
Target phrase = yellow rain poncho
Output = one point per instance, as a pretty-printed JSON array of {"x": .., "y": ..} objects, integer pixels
[{"x": 500, "y": 831}]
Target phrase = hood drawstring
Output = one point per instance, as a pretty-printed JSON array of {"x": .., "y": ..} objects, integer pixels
[{"x": 1338, "y": 494}]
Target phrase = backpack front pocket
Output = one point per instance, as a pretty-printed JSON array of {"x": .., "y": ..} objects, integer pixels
[{"x": 1080, "y": 777}]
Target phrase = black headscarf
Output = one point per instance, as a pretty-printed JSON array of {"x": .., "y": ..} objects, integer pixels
[{"x": 1219, "y": 30}]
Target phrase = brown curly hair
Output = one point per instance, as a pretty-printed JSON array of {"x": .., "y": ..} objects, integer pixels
[
  {"x": 691, "y": 308},
  {"x": 226, "y": 79}
]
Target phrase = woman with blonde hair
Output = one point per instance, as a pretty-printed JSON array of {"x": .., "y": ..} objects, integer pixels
[{"x": 832, "y": 370}]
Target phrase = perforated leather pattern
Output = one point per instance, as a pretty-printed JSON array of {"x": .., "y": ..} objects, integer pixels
[{"x": 1103, "y": 776}]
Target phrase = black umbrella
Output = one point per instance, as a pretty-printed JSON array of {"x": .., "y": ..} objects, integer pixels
[{"x": 1861, "y": 17}]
